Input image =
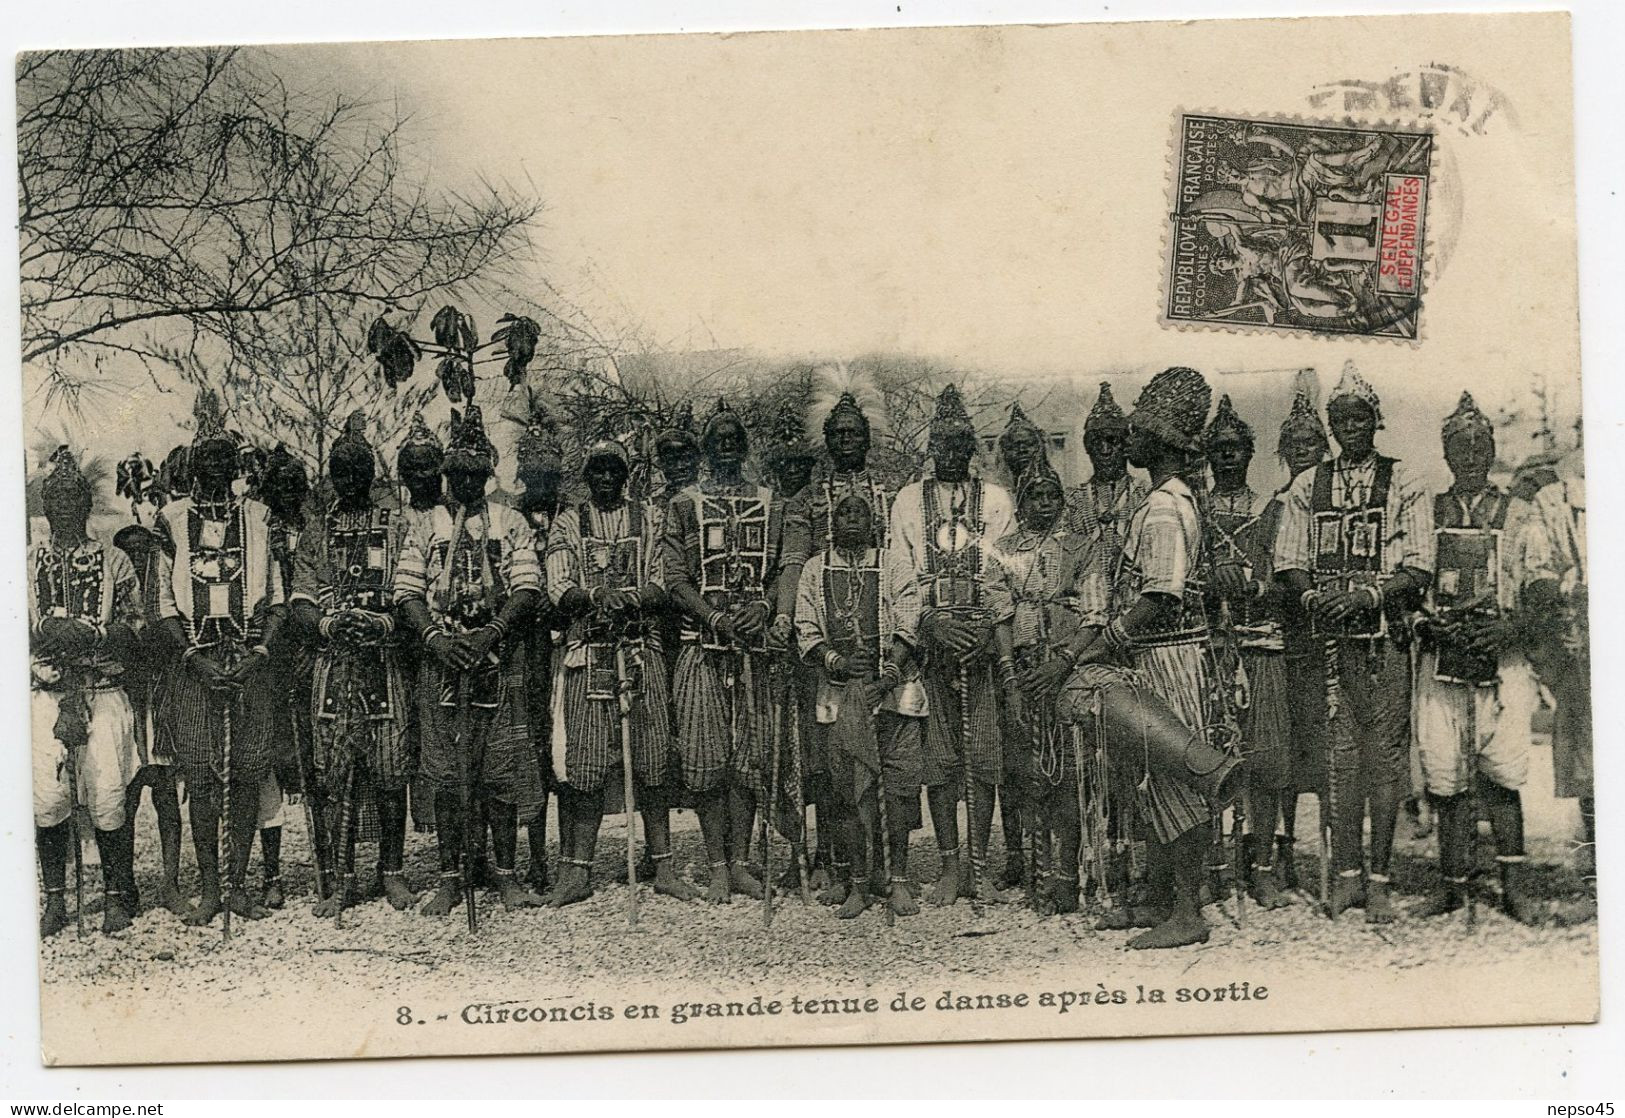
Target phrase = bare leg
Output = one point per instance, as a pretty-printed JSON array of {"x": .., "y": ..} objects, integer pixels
[
  {"x": 271, "y": 849},
  {"x": 52, "y": 844},
  {"x": 981, "y": 829},
  {"x": 1266, "y": 888},
  {"x": 741, "y": 821},
  {"x": 245, "y": 811},
  {"x": 203, "y": 805},
  {"x": 392, "y": 849},
  {"x": 115, "y": 856},
  {"x": 657, "y": 836},
  {"x": 712, "y": 808},
  {"x": 448, "y": 827},
  {"x": 943, "y": 800},
  {"x": 1184, "y": 925},
  {"x": 575, "y": 878},
  {"x": 536, "y": 840}
]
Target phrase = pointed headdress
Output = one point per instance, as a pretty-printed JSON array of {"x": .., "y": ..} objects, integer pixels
[
  {"x": 1227, "y": 421},
  {"x": 209, "y": 418},
  {"x": 1466, "y": 417},
  {"x": 1105, "y": 415},
  {"x": 1353, "y": 386},
  {"x": 841, "y": 389},
  {"x": 469, "y": 448},
  {"x": 63, "y": 477},
  {"x": 951, "y": 420}
]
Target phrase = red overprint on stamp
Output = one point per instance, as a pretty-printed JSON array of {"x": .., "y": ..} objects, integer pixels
[{"x": 1404, "y": 202}]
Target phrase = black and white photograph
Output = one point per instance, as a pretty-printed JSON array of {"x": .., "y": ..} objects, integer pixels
[{"x": 824, "y": 537}]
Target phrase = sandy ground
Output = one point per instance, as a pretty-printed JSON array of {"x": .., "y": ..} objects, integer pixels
[{"x": 378, "y": 948}]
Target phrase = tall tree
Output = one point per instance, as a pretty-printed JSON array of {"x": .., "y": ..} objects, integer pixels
[{"x": 169, "y": 198}]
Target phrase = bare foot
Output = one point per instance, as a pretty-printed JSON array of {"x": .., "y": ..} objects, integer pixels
[
  {"x": 1347, "y": 892},
  {"x": 1176, "y": 931},
  {"x": 742, "y": 881},
  {"x": 719, "y": 891},
  {"x": 54, "y": 917},
  {"x": 398, "y": 892},
  {"x": 204, "y": 912},
  {"x": 902, "y": 900},
  {"x": 856, "y": 901},
  {"x": 1015, "y": 870},
  {"x": 988, "y": 892},
  {"x": 244, "y": 905},
  {"x": 169, "y": 897},
  {"x": 335, "y": 901},
  {"x": 275, "y": 898},
  {"x": 574, "y": 887},
  {"x": 668, "y": 883},
  {"x": 447, "y": 896},
  {"x": 834, "y": 891},
  {"x": 820, "y": 880},
  {"x": 514, "y": 895},
  {"x": 1063, "y": 896},
  {"x": 946, "y": 891},
  {"x": 1379, "y": 907},
  {"x": 1266, "y": 892}
]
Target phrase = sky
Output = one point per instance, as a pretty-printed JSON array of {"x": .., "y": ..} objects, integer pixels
[{"x": 994, "y": 198}]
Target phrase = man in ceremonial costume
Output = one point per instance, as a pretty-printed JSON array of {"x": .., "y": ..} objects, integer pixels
[
  {"x": 1561, "y": 653},
  {"x": 341, "y": 597},
  {"x": 841, "y": 400},
  {"x": 1475, "y": 691},
  {"x": 720, "y": 553},
  {"x": 84, "y": 612},
  {"x": 281, "y": 482},
  {"x": 220, "y": 598},
  {"x": 467, "y": 578},
  {"x": 943, "y": 531},
  {"x": 1103, "y": 505},
  {"x": 1057, "y": 588},
  {"x": 604, "y": 577},
  {"x": 146, "y": 681},
  {"x": 1247, "y": 601},
  {"x": 417, "y": 468},
  {"x": 540, "y": 469},
  {"x": 855, "y": 629},
  {"x": 677, "y": 457},
  {"x": 1159, "y": 626},
  {"x": 1355, "y": 548},
  {"x": 1301, "y": 445},
  {"x": 1021, "y": 445}
]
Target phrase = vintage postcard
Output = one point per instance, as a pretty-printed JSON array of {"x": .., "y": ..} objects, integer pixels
[{"x": 716, "y": 541}]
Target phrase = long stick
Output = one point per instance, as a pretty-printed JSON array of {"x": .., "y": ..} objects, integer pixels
[
  {"x": 775, "y": 737},
  {"x": 1243, "y": 811},
  {"x": 318, "y": 847},
  {"x": 628, "y": 786},
  {"x": 346, "y": 837},
  {"x": 970, "y": 789},
  {"x": 471, "y": 841},
  {"x": 229, "y": 844},
  {"x": 799, "y": 795},
  {"x": 885, "y": 841},
  {"x": 73, "y": 832},
  {"x": 1328, "y": 815},
  {"x": 1472, "y": 815}
]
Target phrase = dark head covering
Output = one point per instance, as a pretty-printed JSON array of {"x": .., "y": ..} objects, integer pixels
[
  {"x": 64, "y": 478},
  {"x": 1466, "y": 417},
  {"x": 1173, "y": 407},
  {"x": 1105, "y": 414},
  {"x": 1225, "y": 420},
  {"x": 419, "y": 434},
  {"x": 846, "y": 405},
  {"x": 680, "y": 428},
  {"x": 1018, "y": 422},
  {"x": 951, "y": 419},
  {"x": 353, "y": 441},
  {"x": 720, "y": 413},
  {"x": 607, "y": 448},
  {"x": 470, "y": 447},
  {"x": 1302, "y": 419}
]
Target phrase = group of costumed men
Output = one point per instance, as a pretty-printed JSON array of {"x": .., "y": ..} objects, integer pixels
[{"x": 1113, "y": 670}]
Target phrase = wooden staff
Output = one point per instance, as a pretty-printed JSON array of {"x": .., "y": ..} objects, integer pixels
[
  {"x": 970, "y": 789},
  {"x": 465, "y": 760},
  {"x": 1472, "y": 816},
  {"x": 346, "y": 837},
  {"x": 72, "y": 774},
  {"x": 623, "y": 691},
  {"x": 798, "y": 846},
  {"x": 1328, "y": 817},
  {"x": 774, "y": 739},
  {"x": 228, "y": 844}
]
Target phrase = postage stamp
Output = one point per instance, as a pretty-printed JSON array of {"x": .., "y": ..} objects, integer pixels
[{"x": 1290, "y": 226}]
